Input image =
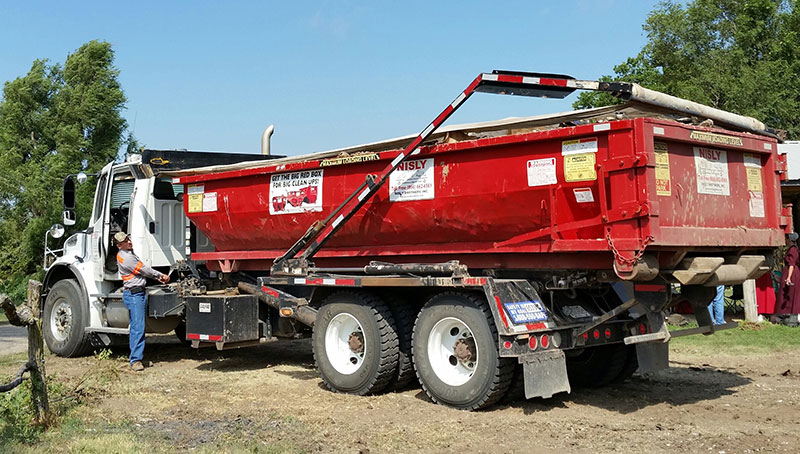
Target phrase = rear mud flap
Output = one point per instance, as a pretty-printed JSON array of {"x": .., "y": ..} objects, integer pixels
[
  {"x": 652, "y": 356},
  {"x": 545, "y": 374}
]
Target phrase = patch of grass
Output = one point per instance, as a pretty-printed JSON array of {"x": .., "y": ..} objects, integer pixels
[
  {"x": 749, "y": 338},
  {"x": 3, "y": 317}
]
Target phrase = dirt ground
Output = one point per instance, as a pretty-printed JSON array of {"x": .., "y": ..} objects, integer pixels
[{"x": 271, "y": 396}]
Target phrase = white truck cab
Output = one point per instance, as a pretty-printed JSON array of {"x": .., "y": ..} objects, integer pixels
[{"x": 82, "y": 290}]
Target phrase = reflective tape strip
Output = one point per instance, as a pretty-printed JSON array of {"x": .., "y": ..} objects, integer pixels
[
  {"x": 602, "y": 127},
  {"x": 120, "y": 259},
  {"x": 531, "y": 80},
  {"x": 338, "y": 220},
  {"x": 299, "y": 280},
  {"x": 269, "y": 291},
  {"x": 416, "y": 151},
  {"x": 329, "y": 281},
  {"x": 204, "y": 337},
  {"x": 138, "y": 267},
  {"x": 427, "y": 130},
  {"x": 500, "y": 309},
  {"x": 363, "y": 194},
  {"x": 127, "y": 277},
  {"x": 459, "y": 100},
  {"x": 492, "y": 77},
  {"x": 397, "y": 159}
]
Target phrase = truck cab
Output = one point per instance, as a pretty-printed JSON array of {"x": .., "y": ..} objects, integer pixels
[{"x": 82, "y": 290}]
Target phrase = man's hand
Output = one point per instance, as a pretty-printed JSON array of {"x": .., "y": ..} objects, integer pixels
[{"x": 164, "y": 279}]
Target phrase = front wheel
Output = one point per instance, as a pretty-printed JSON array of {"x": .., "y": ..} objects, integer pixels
[
  {"x": 64, "y": 320},
  {"x": 456, "y": 355},
  {"x": 355, "y": 343}
]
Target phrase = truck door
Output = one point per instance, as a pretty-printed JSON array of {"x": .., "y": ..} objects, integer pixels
[
  {"x": 99, "y": 223},
  {"x": 167, "y": 238}
]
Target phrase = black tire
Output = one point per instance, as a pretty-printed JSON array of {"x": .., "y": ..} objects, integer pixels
[
  {"x": 594, "y": 367},
  {"x": 180, "y": 333},
  {"x": 516, "y": 391},
  {"x": 64, "y": 320},
  {"x": 470, "y": 385},
  {"x": 378, "y": 341},
  {"x": 631, "y": 364},
  {"x": 403, "y": 315}
]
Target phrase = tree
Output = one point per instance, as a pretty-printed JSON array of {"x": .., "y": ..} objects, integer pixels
[
  {"x": 54, "y": 121},
  {"x": 737, "y": 55}
]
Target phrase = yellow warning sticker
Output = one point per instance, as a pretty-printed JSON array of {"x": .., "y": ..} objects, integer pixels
[
  {"x": 580, "y": 167},
  {"x": 752, "y": 165},
  {"x": 663, "y": 183},
  {"x": 195, "y": 194}
]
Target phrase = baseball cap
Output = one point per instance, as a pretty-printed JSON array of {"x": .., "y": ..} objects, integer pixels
[{"x": 119, "y": 237}]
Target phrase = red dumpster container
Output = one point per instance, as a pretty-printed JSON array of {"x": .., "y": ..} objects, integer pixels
[{"x": 585, "y": 197}]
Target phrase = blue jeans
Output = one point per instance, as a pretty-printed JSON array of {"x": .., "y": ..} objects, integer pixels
[
  {"x": 717, "y": 306},
  {"x": 136, "y": 309}
]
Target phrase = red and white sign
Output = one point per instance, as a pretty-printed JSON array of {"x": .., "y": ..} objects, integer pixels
[
  {"x": 542, "y": 172},
  {"x": 412, "y": 180},
  {"x": 296, "y": 192},
  {"x": 711, "y": 166}
]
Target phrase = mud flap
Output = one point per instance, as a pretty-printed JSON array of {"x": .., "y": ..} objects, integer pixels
[
  {"x": 545, "y": 373},
  {"x": 652, "y": 356}
]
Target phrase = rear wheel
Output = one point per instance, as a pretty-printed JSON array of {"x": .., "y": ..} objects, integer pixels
[
  {"x": 64, "y": 320},
  {"x": 594, "y": 367},
  {"x": 403, "y": 315},
  {"x": 456, "y": 355},
  {"x": 355, "y": 343}
]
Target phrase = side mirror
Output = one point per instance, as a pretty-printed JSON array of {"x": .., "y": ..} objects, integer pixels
[
  {"x": 68, "y": 194},
  {"x": 69, "y": 217},
  {"x": 56, "y": 231},
  {"x": 82, "y": 177}
]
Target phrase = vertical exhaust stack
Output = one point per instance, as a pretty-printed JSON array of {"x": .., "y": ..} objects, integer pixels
[{"x": 265, "y": 138}]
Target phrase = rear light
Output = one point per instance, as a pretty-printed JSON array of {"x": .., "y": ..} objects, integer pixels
[
  {"x": 507, "y": 345},
  {"x": 596, "y": 334},
  {"x": 287, "y": 312},
  {"x": 544, "y": 341},
  {"x": 642, "y": 328},
  {"x": 585, "y": 336},
  {"x": 607, "y": 333},
  {"x": 532, "y": 343}
]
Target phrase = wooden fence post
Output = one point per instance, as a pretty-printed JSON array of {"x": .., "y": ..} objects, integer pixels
[
  {"x": 28, "y": 315},
  {"x": 750, "y": 303}
]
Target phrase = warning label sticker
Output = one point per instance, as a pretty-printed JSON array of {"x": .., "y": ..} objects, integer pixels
[
  {"x": 296, "y": 192},
  {"x": 579, "y": 167},
  {"x": 756, "y": 204},
  {"x": 663, "y": 182},
  {"x": 412, "y": 180},
  {"x": 579, "y": 146},
  {"x": 712, "y": 171},
  {"x": 752, "y": 165},
  {"x": 542, "y": 172},
  {"x": 195, "y": 195},
  {"x": 583, "y": 195},
  {"x": 209, "y": 201}
]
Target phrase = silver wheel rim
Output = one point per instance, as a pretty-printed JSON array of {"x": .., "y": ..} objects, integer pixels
[
  {"x": 446, "y": 345},
  {"x": 342, "y": 338},
  {"x": 61, "y": 320}
]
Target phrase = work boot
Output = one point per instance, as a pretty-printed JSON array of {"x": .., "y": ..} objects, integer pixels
[{"x": 137, "y": 366}]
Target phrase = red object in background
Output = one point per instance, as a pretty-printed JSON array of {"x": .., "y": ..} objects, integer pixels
[{"x": 765, "y": 295}]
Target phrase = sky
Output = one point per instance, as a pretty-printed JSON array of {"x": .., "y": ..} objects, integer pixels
[{"x": 211, "y": 75}]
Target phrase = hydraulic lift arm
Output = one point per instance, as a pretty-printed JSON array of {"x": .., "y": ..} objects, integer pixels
[{"x": 498, "y": 82}]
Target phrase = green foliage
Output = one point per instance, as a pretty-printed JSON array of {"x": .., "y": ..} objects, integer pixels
[
  {"x": 16, "y": 412},
  {"x": 750, "y": 338},
  {"x": 737, "y": 55},
  {"x": 54, "y": 121}
]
